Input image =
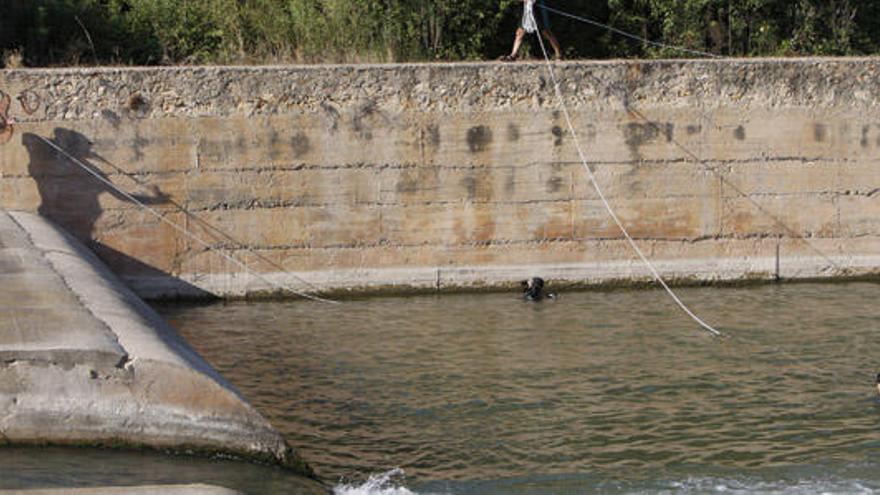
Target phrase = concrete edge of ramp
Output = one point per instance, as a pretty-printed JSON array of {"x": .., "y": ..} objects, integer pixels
[{"x": 154, "y": 392}]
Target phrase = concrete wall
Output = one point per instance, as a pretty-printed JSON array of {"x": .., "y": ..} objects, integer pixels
[{"x": 446, "y": 175}]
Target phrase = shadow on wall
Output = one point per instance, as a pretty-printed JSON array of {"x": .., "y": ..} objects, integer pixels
[{"x": 70, "y": 197}]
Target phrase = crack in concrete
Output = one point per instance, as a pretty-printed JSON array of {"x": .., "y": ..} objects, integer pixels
[
  {"x": 297, "y": 167},
  {"x": 253, "y": 204}
]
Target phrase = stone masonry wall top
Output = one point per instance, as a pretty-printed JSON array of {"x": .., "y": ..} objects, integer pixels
[{"x": 72, "y": 94}]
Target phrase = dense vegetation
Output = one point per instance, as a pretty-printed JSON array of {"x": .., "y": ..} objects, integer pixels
[{"x": 146, "y": 32}]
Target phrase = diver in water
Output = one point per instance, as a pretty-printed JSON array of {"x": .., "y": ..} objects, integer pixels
[{"x": 533, "y": 290}]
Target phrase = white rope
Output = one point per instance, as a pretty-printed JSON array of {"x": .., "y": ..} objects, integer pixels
[
  {"x": 778, "y": 350},
  {"x": 611, "y": 212},
  {"x": 629, "y": 35},
  {"x": 217, "y": 231},
  {"x": 178, "y": 228}
]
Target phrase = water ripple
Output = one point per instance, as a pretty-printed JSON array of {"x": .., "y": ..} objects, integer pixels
[{"x": 485, "y": 387}]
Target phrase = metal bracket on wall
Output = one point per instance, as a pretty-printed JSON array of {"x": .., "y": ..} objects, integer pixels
[{"x": 30, "y": 102}]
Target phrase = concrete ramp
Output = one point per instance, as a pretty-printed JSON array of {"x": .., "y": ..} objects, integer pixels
[{"x": 83, "y": 361}]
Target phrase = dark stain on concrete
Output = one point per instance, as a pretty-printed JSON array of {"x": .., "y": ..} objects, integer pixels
[
  {"x": 557, "y": 133},
  {"x": 138, "y": 104},
  {"x": 138, "y": 145},
  {"x": 512, "y": 132},
  {"x": 331, "y": 113},
  {"x": 432, "y": 134},
  {"x": 274, "y": 152},
  {"x": 590, "y": 132},
  {"x": 739, "y": 133},
  {"x": 636, "y": 135},
  {"x": 357, "y": 125},
  {"x": 407, "y": 184},
  {"x": 470, "y": 184},
  {"x": 111, "y": 117},
  {"x": 365, "y": 112},
  {"x": 228, "y": 148},
  {"x": 669, "y": 131},
  {"x": 820, "y": 132},
  {"x": 479, "y": 138},
  {"x": 510, "y": 183},
  {"x": 300, "y": 144}
]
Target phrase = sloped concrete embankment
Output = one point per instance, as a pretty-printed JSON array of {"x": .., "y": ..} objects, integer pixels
[{"x": 84, "y": 361}]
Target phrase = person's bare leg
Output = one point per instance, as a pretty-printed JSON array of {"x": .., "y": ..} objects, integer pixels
[
  {"x": 517, "y": 42},
  {"x": 554, "y": 43}
]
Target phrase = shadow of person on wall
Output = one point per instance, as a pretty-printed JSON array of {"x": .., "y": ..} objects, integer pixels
[
  {"x": 70, "y": 194},
  {"x": 70, "y": 197}
]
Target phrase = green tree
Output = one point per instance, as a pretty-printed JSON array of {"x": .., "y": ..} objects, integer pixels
[
  {"x": 186, "y": 31},
  {"x": 71, "y": 32}
]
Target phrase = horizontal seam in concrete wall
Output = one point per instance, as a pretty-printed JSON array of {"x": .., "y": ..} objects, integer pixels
[{"x": 515, "y": 242}]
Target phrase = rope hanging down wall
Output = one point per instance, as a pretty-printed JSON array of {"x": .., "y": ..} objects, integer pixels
[
  {"x": 183, "y": 230},
  {"x": 739, "y": 190},
  {"x": 563, "y": 107}
]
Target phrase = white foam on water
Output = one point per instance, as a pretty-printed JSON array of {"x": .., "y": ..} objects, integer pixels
[
  {"x": 387, "y": 483},
  {"x": 746, "y": 487}
]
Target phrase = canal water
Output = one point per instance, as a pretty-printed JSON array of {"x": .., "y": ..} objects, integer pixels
[
  {"x": 611, "y": 392},
  {"x": 595, "y": 392}
]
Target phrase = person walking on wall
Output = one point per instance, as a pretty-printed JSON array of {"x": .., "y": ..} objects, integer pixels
[{"x": 530, "y": 25}]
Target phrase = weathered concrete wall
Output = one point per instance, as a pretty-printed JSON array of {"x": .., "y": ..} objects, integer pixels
[
  {"x": 83, "y": 361},
  {"x": 444, "y": 175}
]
